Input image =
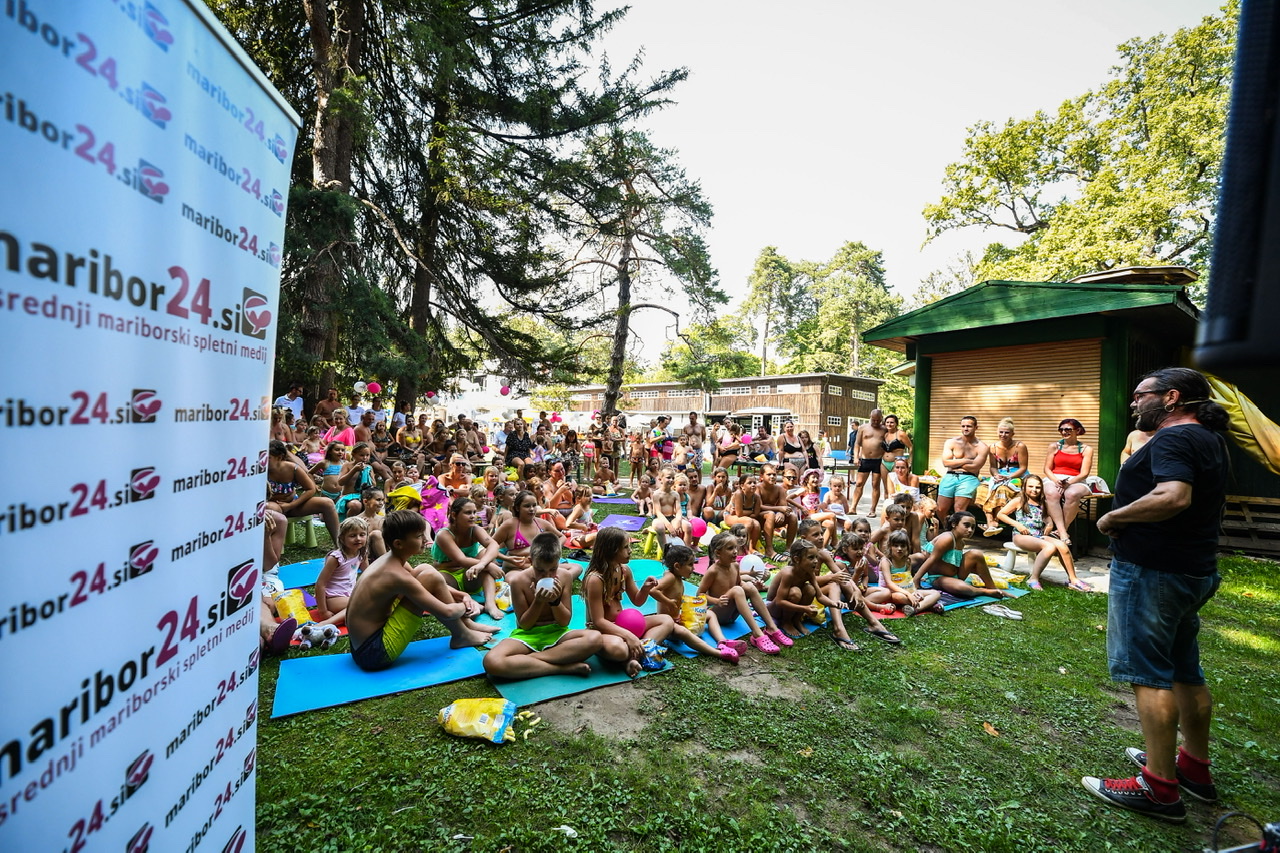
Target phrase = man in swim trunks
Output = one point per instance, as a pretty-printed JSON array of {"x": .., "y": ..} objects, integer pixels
[
  {"x": 964, "y": 458},
  {"x": 387, "y": 605},
  {"x": 542, "y": 643},
  {"x": 695, "y": 434},
  {"x": 868, "y": 454}
]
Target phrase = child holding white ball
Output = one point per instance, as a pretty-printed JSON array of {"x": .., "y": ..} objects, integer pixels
[{"x": 542, "y": 643}]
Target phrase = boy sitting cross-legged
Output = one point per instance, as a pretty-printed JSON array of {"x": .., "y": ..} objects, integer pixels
[
  {"x": 542, "y": 643},
  {"x": 387, "y": 605}
]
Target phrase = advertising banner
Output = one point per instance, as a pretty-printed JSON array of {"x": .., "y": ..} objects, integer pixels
[{"x": 141, "y": 224}]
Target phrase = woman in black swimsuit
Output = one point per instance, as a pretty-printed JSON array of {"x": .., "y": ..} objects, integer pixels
[
  {"x": 896, "y": 441},
  {"x": 789, "y": 446}
]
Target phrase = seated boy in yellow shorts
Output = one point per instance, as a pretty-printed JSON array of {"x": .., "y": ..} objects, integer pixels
[
  {"x": 391, "y": 597},
  {"x": 542, "y": 643}
]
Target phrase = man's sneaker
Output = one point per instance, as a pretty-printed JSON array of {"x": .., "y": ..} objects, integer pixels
[
  {"x": 1202, "y": 792},
  {"x": 1135, "y": 795}
]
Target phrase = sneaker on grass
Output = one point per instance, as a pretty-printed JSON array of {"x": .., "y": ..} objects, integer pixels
[
  {"x": 1206, "y": 793},
  {"x": 1135, "y": 795}
]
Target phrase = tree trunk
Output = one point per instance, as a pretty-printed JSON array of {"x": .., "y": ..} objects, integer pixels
[
  {"x": 613, "y": 386},
  {"x": 764, "y": 346},
  {"x": 337, "y": 49}
]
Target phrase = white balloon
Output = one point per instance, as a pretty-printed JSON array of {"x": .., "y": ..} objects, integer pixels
[
  {"x": 752, "y": 563},
  {"x": 360, "y": 387}
]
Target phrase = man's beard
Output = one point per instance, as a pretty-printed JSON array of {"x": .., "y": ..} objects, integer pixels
[{"x": 1150, "y": 419}]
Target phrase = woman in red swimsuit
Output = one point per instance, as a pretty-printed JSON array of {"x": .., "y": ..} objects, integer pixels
[{"x": 1068, "y": 464}]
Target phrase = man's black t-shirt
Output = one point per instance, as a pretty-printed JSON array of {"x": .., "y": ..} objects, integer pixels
[{"x": 1187, "y": 543}]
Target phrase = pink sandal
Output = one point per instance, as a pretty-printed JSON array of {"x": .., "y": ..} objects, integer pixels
[
  {"x": 780, "y": 638},
  {"x": 764, "y": 644}
]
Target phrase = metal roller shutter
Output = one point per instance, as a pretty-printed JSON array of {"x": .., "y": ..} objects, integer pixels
[{"x": 1036, "y": 385}]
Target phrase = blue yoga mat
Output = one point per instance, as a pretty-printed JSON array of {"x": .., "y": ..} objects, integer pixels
[
  {"x": 326, "y": 680},
  {"x": 950, "y": 602},
  {"x": 630, "y": 523},
  {"x": 296, "y": 575},
  {"x": 615, "y": 499},
  {"x": 531, "y": 691}
]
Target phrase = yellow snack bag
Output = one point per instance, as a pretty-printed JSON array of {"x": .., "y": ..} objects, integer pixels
[
  {"x": 693, "y": 613},
  {"x": 484, "y": 719},
  {"x": 291, "y": 603}
]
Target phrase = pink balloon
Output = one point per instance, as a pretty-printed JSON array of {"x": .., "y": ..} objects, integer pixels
[
  {"x": 374, "y": 388},
  {"x": 699, "y": 527},
  {"x": 430, "y": 394},
  {"x": 505, "y": 390},
  {"x": 631, "y": 620},
  {"x": 484, "y": 449}
]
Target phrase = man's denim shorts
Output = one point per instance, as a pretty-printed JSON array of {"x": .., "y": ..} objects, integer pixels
[{"x": 1152, "y": 625}]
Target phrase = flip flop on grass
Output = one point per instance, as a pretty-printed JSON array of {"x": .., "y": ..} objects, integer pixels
[
  {"x": 847, "y": 645},
  {"x": 883, "y": 634}
]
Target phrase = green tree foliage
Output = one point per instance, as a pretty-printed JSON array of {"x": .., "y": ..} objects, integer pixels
[
  {"x": 636, "y": 220},
  {"x": 845, "y": 296},
  {"x": 959, "y": 274},
  {"x": 1124, "y": 175},
  {"x": 775, "y": 298},
  {"x": 707, "y": 353},
  {"x": 445, "y": 124}
]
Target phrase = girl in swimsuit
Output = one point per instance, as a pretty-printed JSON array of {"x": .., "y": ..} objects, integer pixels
[
  {"x": 557, "y": 492},
  {"x": 607, "y": 577},
  {"x": 382, "y": 441},
  {"x": 518, "y": 531},
  {"x": 292, "y": 492},
  {"x": 810, "y": 451},
  {"x": 1026, "y": 515},
  {"x": 717, "y": 499},
  {"x": 947, "y": 563},
  {"x": 311, "y": 446},
  {"x": 467, "y": 556},
  {"x": 1066, "y": 467},
  {"x": 831, "y": 512},
  {"x": 329, "y": 470},
  {"x": 338, "y": 577},
  {"x": 744, "y": 509},
  {"x": 580, "y": 526}
]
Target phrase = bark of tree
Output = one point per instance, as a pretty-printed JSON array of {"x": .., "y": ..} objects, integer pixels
[
  {"x": 613, "y": 386},
  {"x": 337, "y": 52}
]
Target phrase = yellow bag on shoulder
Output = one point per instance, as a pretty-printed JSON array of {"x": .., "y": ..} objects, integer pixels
[
  {"x": 693, "y": 613},
  {"x": 483, "y": 719}
]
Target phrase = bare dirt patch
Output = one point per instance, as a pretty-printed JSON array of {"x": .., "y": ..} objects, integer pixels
[
  {"x": 612, "y": 712},
  {"x": 757, "y": 678},
  {"x": 1125, "y": 715}
]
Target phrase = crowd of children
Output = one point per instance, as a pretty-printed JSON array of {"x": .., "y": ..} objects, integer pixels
[{"x": 502, "y": 535}]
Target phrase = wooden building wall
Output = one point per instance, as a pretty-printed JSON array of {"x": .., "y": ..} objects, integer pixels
[{"x": 1036, "y": 385}]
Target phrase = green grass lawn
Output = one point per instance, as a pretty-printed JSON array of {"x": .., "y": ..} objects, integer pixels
[{"x": 815, "y": 749}]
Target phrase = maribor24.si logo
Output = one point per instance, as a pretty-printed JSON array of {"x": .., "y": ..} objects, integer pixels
[
  {"x": 143, "y": 406},
  {"x": 255, "y": 316}
]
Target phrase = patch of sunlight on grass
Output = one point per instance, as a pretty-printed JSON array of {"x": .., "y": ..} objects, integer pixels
[
  {"x": 1248, "y": 639},
  {"x": 1260, "y": 594}
]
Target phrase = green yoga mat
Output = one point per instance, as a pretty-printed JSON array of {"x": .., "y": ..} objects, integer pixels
[{"x": 531, "y": 691}]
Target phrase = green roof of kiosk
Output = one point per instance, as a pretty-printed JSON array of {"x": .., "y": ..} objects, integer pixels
[{"x": 1002, "y": 303}]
